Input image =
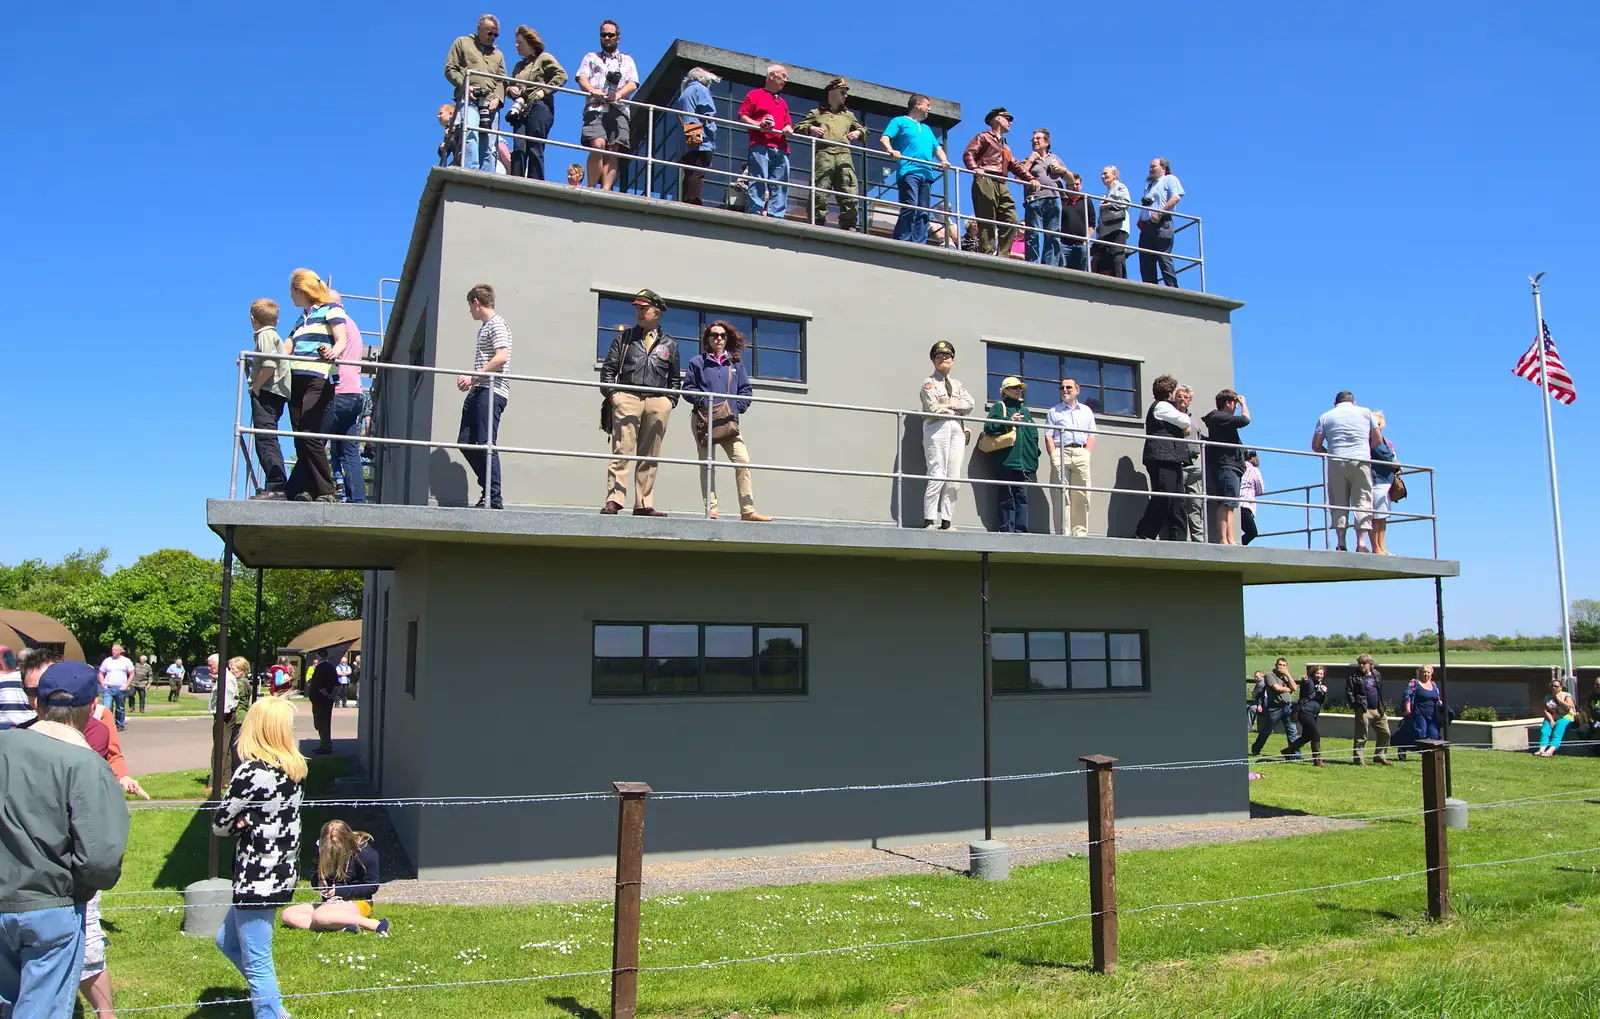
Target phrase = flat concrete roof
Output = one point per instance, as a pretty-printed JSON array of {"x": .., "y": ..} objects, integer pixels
[
  {"x": 678, "y": 217},
  {"x": 377, "y": 536}
]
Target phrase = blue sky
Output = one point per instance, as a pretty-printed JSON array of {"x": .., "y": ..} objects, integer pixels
[{"x": 1377, "y": 183}]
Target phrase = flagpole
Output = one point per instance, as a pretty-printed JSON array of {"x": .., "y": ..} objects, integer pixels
[{"x": 1569, "y": 681}]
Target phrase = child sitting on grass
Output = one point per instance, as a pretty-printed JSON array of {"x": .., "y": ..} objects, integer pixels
[{"x": 347, "y": 877}]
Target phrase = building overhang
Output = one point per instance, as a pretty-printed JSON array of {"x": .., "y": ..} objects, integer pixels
[{"x": 376, "y": 536}]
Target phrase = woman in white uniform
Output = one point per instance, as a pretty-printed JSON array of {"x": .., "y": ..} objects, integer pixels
[{"x": 943, "y": 440}]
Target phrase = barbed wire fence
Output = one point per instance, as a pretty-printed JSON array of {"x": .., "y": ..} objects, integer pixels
[{"x": 1100, "y": 846}]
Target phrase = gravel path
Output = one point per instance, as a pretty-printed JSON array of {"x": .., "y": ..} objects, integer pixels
[{"x": 724, "y": 874}]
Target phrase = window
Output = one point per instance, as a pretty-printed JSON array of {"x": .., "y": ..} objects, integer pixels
[
  {"x": 1109, "y": 387},
  {"x": 1033, "y": 661},
  {"x": 676, "y": 659},
  {"x": 774, "y": 347},
  {"x": 411, "y": 657}
]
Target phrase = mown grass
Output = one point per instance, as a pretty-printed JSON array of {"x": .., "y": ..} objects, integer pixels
[{"x": 1364, "y": 950}]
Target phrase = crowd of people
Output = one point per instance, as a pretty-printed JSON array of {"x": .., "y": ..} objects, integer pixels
[{"x": 1062, "y": 226}]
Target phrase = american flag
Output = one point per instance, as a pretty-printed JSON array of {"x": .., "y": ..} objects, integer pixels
[{"x": 1560, "y": 382}]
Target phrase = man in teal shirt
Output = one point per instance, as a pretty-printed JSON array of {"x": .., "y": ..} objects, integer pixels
[{"x": 910, "y": 140}]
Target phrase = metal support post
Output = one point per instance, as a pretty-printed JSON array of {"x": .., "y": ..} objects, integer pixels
[
  {"x": 219, "y": 724},
  {"x": 988, "y": 701},
  {"x": 488, "y": 439},
  {"x": 1444, "y": 697},
  {"x": 1433, "y": 513},
  {"x": 1308, "y": 517},
  {"x": 1200, "y": 240},
  {"x": 238, "y": 411},
  {"x": 897, "y": 503},
  {"x": 1435, "y": 839},
  {"x": 461, "y": 112},
  {"x": 630, "y": 881},
  {"x": 1102, "y": 862},
  {"x": 649, "y": 149},
  {"x": 255, "y": 660}
]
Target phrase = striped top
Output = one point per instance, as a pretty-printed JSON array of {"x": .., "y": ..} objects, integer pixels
[
  {"x": 313, "y": 330},
  {"x": 493, "y": 335}
]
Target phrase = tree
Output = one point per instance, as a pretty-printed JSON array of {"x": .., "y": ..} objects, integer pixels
[
  {"x": 1586, "y": 620},
  {"x": 38, "y": 586},
  {"x": 167, "y": 603}
]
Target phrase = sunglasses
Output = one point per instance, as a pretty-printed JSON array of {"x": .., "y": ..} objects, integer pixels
[
  {"x": 719, "y": 334},
  {"x": 610, "y": 35}
]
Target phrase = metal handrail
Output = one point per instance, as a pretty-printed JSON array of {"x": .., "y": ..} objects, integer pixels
[
  {"x": 651, "y": 109},
  {"x": 708, "y": 462}
]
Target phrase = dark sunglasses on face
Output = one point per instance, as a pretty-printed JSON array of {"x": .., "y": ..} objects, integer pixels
[{"x": 608, "y": 35}]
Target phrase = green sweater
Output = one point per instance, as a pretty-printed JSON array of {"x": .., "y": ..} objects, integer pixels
[
  {"x": 65, "y": 824},
  {"x": 1022, "y": 455}
]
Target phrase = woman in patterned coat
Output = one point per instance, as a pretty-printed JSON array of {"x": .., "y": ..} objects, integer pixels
[{"x": 262, "y": 808}]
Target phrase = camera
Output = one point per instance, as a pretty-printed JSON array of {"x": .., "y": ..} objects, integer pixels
[
  {"x": 481, "y": 91},
  {"x": 613, "y": 80}
]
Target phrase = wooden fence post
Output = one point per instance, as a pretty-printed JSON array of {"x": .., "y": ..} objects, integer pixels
[
  {"x": 1435, "y": 840},
  {"x": 630, "y": 879},
  {"x": 1102, "y": 862}
]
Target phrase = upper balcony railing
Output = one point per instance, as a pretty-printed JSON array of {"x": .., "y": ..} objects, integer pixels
[
  {"x": 1311, "y": 514},
  {"x": 952, "y": 221}
]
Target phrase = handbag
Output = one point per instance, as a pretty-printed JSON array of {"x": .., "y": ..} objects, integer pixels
[
  {"x": 1397, "y": 487},
  {"x": 988, "y": 442},
  {"x": 724, "y": 422},
  {"x": 694, "y": 134}
]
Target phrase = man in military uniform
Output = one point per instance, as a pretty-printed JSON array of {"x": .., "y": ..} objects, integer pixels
[
  {"x": 943, "y": 439},
  {"x": 833, "y": 167}
]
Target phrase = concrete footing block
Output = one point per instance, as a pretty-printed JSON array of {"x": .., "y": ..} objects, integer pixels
[
  {"x": 989, "y": 860},
  {"x": 1455, "y": 813},
  {"x": 205, "y": 903}
]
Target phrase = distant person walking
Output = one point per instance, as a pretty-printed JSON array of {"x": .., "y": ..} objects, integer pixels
[
  {"x": 116, "y": 675},
  {"x": 1364, "y": 691},
  {"x": 486, "y": 396},
  {"x": 321, "y": 689},
  {"x": 262, "y": 810},
  {"x": 1559, "y": 711},
  {"x": 1348, "y": 434},
  {"x": 1308, "y": 712},
  {"x": 143, "y": 676},
  {"x": 1424, "y": 711},
  {"x": 175, "y": 679},
  {"x": 1280, "y": 710}
]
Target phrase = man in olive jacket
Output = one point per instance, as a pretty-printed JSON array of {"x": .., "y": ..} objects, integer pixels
[
  {"x": 62, "y": 835},
  {"x": 1017, "y": 462}
]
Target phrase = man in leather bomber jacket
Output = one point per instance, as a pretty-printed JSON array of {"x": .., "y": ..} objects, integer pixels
[{"x": 641, "y": 356}]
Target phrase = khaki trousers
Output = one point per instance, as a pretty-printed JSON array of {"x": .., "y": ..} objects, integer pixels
[
  {"x": 1371, "y": 720},
  {"x": 738, "y": 454},
  {"x": 1072, "y": 467},
  {"x": 991, "y": 199},
  {"x": 639, "y": 425},
  {"x": 1350, "y": 488}
]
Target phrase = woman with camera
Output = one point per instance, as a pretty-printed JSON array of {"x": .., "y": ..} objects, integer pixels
[
  {"x": 533, "y": 110},
  {"x": 714, "y": 384}
]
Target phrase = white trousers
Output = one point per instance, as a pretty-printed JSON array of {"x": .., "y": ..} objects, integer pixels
[{"x": 942, "y": 447}]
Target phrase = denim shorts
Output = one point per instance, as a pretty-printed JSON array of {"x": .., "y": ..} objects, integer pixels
[{"x": 1225, "y": 482}]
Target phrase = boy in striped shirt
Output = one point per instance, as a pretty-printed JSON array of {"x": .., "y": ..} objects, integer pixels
[{"x": 486, "y": 398}]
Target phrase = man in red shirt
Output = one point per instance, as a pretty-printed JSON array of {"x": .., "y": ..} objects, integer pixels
[{"x": 767, "y": 117}]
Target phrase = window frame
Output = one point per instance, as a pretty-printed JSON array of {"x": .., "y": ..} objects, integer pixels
[
  {"x": 1066, "y": 632},
  {"x": 701, "y": 658},
  {"x": 1134, "y": 364},
  {"x": 708, "y": 313}
]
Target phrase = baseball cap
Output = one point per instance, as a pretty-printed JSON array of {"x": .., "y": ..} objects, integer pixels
[
  {"x": 74, "y": 678},
  {"x": 1012, "y": 382},
  {"x": 650, "y": 297}
]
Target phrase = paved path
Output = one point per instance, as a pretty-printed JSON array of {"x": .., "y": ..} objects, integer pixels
[{"x": 157, "y": 744}]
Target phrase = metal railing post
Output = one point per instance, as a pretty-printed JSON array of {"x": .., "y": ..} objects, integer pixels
[
  {"x": 649, "y": 150},
  {"x": 1308, "y": 518},
  {"x": 897, "y": 504},
  {"x": 1433, "y": 513},
  {"x": 1200, "y": 240},
  {"x": 488, "y": 440},
  {"x": 711, "y": 453},
  {"x": 461, "y": 112},
  {"x": 238, "y": 410}
]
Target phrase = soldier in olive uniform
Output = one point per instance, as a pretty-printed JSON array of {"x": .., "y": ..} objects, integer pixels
[{"x": 834, "y": 167}]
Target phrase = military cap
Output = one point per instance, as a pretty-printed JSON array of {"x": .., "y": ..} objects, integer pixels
[
  {"x": 998, "y": 111},
  {"x": 942, "y": 347},
  {"x": 650, "y": 297},
  {"x": 837, "y": 83}
]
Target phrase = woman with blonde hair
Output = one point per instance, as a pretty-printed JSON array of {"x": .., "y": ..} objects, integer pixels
[
  {"x": 321, "y": 332},
  {"x": 1383, "y": 472},
  {"x": 262, "y": 809},
  {"x": 347, "y": 877}
]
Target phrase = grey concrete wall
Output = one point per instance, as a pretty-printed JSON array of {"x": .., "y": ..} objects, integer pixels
[
  {"x": 404, "y": 408},
  {"x": 410, "y": 745},
  {"x": 873, "y": 310},
  {"x": 503, "y": 703}
]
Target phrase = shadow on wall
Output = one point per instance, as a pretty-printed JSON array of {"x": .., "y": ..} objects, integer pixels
[
  {"x": 905, "y": 500},
  {"x": 1124, "y": 509},
  {"x": 447, "y": 479}
]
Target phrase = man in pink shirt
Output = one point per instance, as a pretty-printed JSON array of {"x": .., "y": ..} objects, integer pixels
[
  {"x": 346, "y": 414},
  {"x": 767, "y": 117}
]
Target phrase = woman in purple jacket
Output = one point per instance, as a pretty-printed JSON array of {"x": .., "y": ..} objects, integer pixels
[{"x": 718, "y": 388}]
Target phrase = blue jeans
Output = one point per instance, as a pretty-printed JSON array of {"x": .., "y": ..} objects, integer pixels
[
  {"x": 1076, "y": 257},
  {"x": 480, "y": 146},
  {"x": 1013, "y": 502},
  {"x": 768, "y": 167},
  {"x": 912, "y": 224},
  {"x": 41, "y": 954},
  {"x": 344, "y": 418},
  {"x": 1276, "y": 716},
  {"x": 117, "y": 701},
  {"x": 1155, "y": 264},
  {"x": 527, "y": 158},
  {"x": 1042, "y": 214},
  {"x": 475, "y": 430},
  {"x": 246, "y": 940}
]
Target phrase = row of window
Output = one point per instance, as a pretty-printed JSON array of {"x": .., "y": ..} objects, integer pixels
[
  {"x": 678, "y": 659},
  {"x": 775, "y": 350}
]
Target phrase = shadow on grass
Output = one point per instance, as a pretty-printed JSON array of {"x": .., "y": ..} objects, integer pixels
[
  {"x": 573, "y": 1006},
  {"x": 1074, "y": 967},
  {"x": 1333, "y": 907},
  {"x": 208, "y": 998},
  {"x": 186, "y": 863},
  {"x": 1258, "y": 810},
  {"x": 917, "y": 859}
]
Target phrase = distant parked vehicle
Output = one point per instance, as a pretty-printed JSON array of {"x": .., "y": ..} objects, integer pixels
[{"x": 202, "y": 680}]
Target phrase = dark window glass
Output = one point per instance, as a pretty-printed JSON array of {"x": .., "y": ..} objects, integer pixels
[
  {"x": 775, "y": 348},
  {"x": 1067, "y": 660},
  {"x": 1108, "y": 387},
  {"x": 689, "y": 658}
]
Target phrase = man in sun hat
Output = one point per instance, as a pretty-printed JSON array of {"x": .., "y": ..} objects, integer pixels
[
  {"x": 62, "y": 836},
  {"x": 833, "y": 166},
  {"x": 990, "y": 159},
  {"x": 1017, "y": 462},
  {"x": 640, "y": 356}
]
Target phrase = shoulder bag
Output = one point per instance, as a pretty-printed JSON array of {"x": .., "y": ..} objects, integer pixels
[
  {"x": 1397, "y": 487},
  {"x": 724, "y": 422},
  {"x": 989, "y": 442}
]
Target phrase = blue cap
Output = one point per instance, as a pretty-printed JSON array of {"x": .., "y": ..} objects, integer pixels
[{"x": 74, "y": 678}]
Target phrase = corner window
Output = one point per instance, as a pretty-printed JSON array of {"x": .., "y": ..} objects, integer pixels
[
  {"x": 1108, "y": 387},
  {"x": 683, "y": 659},
  {"x": 774, "y": 348},
  {"x": 1035, "y": 661}
]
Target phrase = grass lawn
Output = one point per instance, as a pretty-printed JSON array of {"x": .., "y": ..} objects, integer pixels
[{"x": 1365, "y": 950}]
